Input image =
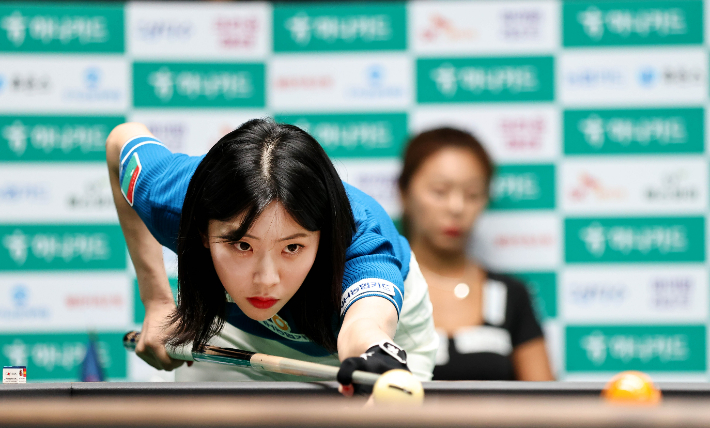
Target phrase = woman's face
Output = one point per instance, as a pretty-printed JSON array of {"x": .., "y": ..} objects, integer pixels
[
  {"x": 445, "y": 196},
  {"x": 264, "y": 269}
]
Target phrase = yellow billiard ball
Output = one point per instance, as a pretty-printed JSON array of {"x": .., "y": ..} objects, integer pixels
[
  {"x": 398, "y": 387},
  {"x": 631, "y": 387}
]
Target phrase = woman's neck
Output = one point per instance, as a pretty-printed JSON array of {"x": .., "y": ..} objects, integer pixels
[{"x": 445, "y": 263}]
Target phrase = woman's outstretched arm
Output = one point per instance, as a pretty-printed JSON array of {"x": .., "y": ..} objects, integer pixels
[
  {"x": 147, "y": 256},
  {"x": 368, "y": 321}
]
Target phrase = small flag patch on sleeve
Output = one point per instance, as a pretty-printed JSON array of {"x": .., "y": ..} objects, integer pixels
[{"x": 128, "y": 184}]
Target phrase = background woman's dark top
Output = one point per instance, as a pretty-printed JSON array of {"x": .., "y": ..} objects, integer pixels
[{"x": 482, "y": 352}]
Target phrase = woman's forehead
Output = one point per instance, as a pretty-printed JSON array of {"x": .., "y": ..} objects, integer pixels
[
  {"x": 451, "y": 162},
  {"x": 274, "y": 222}
]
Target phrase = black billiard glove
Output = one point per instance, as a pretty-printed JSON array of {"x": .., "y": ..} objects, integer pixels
[{"x": 378, "y": 358}]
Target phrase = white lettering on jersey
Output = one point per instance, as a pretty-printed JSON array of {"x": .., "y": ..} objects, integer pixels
[{"x": 367, "y": 286}]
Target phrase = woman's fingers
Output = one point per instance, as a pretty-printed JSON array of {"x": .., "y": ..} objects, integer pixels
[
  {"x": 346, "y": 390},
  {"x": 151, "y": 344}
]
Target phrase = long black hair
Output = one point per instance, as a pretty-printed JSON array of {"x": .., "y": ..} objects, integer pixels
[{"x": 259, "y": 163}]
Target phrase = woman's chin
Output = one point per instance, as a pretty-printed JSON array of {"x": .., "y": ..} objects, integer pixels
[
  {"x": 261, "y": 314},
  {"x": 261, "y": 317},
  {"x": 451, "y": 248}
]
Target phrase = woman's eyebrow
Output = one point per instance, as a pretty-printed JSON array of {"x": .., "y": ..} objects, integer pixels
[
  {"x": 233, "y": 235},
  {"x": 294, "y": 236}
]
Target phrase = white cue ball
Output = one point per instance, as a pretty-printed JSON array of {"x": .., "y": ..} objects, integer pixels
[{"x": 398, "y": 387}]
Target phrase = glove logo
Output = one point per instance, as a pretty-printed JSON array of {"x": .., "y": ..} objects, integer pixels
[
  {"x": 366, "y": 354},
  {"x": 394, "y": 351}
]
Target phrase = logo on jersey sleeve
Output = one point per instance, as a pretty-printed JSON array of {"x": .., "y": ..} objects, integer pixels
[
  {"x": 130, "y": 177},
  {"x": 369, "y": 286}
]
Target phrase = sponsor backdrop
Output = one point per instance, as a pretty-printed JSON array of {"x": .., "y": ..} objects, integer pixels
[{"x": 593, "y": 111}]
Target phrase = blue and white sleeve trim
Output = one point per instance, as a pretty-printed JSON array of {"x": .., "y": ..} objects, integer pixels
[{"x": 371, "y": 287}]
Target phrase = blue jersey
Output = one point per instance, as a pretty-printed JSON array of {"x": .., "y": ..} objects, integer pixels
[{"x": 154, "y": 181}]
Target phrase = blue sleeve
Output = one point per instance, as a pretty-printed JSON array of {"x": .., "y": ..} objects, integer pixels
[
  {"x": 377, "y": 261},
  {"x": 154, "y": 181}
]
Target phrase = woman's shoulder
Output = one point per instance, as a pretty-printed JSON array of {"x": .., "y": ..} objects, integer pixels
[
  {"x": 521, "y": 320},
  {"x": 515, "y": 286},
  {"x": 361, "y": 203},
  {"x": 376, "y": 233},
  {"x": 368, "y": 213},
  {"x": 506, "y": 279},
  {"x": 153, "y": 156}
]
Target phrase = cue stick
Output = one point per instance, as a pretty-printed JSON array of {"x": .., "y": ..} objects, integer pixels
[{"x": 269, "y": 363}]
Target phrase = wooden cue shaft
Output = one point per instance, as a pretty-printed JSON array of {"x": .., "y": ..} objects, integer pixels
[
  {"x": 275, "y": 364},
  {"x": 269, "y": 363}
]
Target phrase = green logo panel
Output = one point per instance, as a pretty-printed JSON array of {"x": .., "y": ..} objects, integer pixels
[
  {"x": 138, "y": 308},
  {"x": 635, "y": 240},
  {"x": 542, "y": 287},
  {"x": 632, "y": 23},
  {"x": 55, "y": 138},
  {"x": 342, "y": 27},
  {"x": 650, "y": 348},
  {"x": 634, "y": 131},
  {"x": 520, "y": 187},
  {"x": 196, "y": 85},
  {"x": 58, "y": 356},
  {"x": 61, "y": 28},
  {"x": 61, "y": 247},
  {"x": 469, "y": 80},
  {"x": 354, "y": 135}
]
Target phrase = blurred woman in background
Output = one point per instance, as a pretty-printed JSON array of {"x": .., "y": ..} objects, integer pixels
[{"x": 485, "y": 320}]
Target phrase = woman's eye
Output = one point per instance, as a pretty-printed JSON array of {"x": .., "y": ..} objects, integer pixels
[
  {"x": 242, "y": 246},
  {"x": 293, "y": 248}
]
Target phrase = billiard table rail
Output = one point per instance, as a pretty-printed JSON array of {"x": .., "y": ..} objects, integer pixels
[{"x": 315, "y": 389}]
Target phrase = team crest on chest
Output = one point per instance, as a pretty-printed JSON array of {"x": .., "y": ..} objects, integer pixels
[
  {"x": 130, "y": 177},
  {"x": 279, "y": 326}
]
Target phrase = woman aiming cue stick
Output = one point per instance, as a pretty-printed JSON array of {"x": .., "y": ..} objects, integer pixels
[
  {"x": 275, "y": 255},
  {"x": 270, "y": 363}
]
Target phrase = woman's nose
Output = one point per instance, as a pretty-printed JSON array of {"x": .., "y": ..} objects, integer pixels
[
  {"x": 266, "y": 273},
  {"x": 456, "y": 202}
]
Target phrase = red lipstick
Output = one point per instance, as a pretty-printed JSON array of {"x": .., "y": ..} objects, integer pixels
[
  {"x": 262, "y": 302},
  {"x": 452, "y": 232}
]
